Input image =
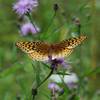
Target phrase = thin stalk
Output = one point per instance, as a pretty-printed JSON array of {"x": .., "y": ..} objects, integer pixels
[
  {"x": 53, "y": 95},
  {"x": 80, "y": 55},
  {"x": 51, "y": 21},
  {"x": 31, "y": 20},
  {"x": 51, "y": 72},
  {"x": 33, "y": 97},
  {"x": 34, "y": 91}
]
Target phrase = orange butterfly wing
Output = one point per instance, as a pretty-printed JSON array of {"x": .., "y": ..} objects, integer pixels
[
  {"x": 36, "y": 50},
  {"x": 40, "y": 50},
  {"x": 66, "y": 47}
]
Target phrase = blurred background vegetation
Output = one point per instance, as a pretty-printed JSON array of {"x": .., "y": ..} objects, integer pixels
[{"x": 16, "y": 71}]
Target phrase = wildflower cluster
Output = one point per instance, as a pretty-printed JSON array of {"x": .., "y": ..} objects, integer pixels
[
  {"x": 70, "y": 80},
  {"x": 24, "y": 8}
]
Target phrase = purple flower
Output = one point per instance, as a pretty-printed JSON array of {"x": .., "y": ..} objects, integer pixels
[
  {"x": 58, "y": 61},
  {"x": 24, "y": 6},
  {"x": 29, "y": 28},
  {"x": 71, "y": 80},
  {"x": 72, "y": 85},
  {"x": 55, "y": 88}
]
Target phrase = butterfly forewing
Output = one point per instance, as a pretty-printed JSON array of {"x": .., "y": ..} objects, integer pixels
[
  {"x": 41, "y": 50},
  {"x": 72, "y": 43},
  {"x": 35, "y": 50},
  {"x": 66, "y": 47},
  {"x": 25, "y": 46}
]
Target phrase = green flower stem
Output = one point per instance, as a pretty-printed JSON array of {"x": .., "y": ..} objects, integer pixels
[
  {"x": 79, "y": 29},
  {"x": 34, "y": 91},
  {"x": 51, "y": 72},
  {"x": 31, "y": 20}
]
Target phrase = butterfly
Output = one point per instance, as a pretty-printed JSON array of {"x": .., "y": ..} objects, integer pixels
[{"x": 40, "y": 51}]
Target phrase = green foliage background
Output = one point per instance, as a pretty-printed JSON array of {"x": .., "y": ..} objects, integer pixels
[{"x": 16, "y": 72}]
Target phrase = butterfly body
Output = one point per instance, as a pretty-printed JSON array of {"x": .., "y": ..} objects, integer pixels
[{"x": 41, "y": 50}]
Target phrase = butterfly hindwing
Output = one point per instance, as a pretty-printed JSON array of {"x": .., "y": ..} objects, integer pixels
[{"x": 59, "y": 50}]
